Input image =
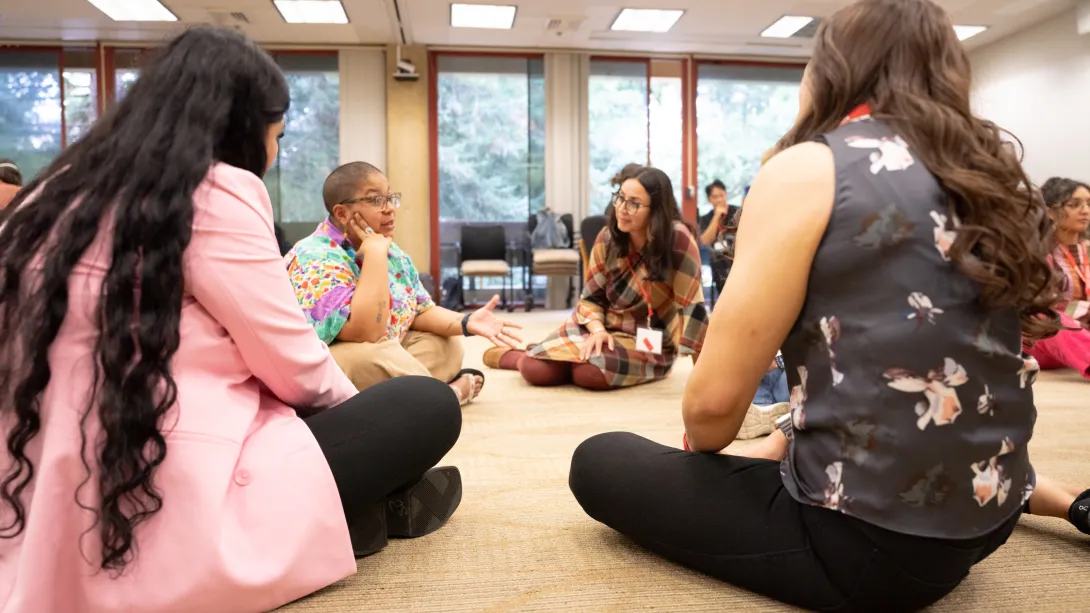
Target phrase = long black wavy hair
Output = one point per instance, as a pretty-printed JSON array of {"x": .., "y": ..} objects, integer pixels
[
  {"x": 210, "y": 95},
  {"x": 665, "y": 215}
]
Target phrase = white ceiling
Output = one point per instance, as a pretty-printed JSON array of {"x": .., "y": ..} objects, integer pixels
[{"x": 714, "y": 27}]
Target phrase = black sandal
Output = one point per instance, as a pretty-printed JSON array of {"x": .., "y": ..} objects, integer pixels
[
  {"x": 1079, "y": 512},
  {"x": 472, "y": 395}
]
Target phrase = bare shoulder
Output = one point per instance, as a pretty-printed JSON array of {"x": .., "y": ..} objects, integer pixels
[
  {"x": 797, "y": 179},
  {"x": 804, "y": 163}
]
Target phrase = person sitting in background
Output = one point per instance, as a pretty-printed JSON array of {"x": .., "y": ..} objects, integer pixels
[
  {"x": 905, "y": 460},
  {"x": 363, "y": 295},
  {"x": 717, "y": 230},
  {"x": 11, "y": 180},
  {"x": 178, "y": 439},
  {"x": 642, "y": 305},
  {"x": 1069, "y": 206}
]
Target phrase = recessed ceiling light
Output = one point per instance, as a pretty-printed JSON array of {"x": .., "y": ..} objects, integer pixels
[
  {"x": 967, "y": 32},
  {"x": 786, "y": 26},
  {"x": 134, "y": 10},
  {"x": 490, "y": 16},
  {"x": 311, "y": 11},
  {"x": 646, "y": 20}
]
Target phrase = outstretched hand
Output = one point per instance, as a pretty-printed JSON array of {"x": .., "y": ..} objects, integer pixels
[{"x": 484, "y": 323}]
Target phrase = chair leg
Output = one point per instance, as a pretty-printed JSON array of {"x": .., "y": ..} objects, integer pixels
[{"x": 461, "y": 291}]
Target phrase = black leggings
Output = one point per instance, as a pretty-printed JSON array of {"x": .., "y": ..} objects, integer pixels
[
  {"x": 386, "y": 437},
  {"x": 730, "y": 517}
]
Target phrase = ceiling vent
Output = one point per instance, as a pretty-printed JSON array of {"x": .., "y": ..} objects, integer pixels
[
  {"x": 229, "y": 18},
  {"x": 563, "y": 25}
]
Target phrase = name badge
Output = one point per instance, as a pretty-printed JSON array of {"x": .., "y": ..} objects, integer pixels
[{"x": 649, "y": 340}]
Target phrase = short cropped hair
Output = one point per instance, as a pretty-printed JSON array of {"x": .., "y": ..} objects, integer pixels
[
  {"x": 9, "y": 173},
  {"x": 342, "y": 183}
]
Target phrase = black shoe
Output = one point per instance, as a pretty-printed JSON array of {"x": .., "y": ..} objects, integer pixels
[
  {"x": 423, "y": 508},
  {"x": 368, "y": 531},
  {"x": 1079, "y": 513}
]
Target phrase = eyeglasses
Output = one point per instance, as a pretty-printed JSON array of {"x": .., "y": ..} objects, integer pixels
[
  {"x": 1075, "y": 204},
  {"x": 378, "y": 202},
  {"x": 629, "y": 206}
]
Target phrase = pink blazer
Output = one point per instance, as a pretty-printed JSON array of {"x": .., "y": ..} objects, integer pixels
[{"x": 251, "y": 517}]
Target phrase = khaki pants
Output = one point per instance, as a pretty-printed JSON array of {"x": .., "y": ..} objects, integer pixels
[{"x": 419, "y": 353}]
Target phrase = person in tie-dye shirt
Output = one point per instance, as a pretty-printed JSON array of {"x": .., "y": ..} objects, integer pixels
[{"x": 364, "y": 298}]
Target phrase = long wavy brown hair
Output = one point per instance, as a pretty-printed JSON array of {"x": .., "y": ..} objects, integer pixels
[{"x": 903, "y": 59}]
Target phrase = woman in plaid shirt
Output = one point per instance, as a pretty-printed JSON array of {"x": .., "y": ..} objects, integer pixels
[{"x": 642, "y": 305}]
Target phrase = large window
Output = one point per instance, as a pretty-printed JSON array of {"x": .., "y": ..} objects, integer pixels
[
  {"x": 311, "y": 146},
  {"x": 617, "y": 100},
  {"x": 127, "y": 63},
  {"x": 634, "y": 110},
  {"x": 741, "y": 111},
  {"x": 80, "y": 93},
  {"x": 30, "y": 108},
  {"x": 490, "y": 118},
  {"x": 39, "y": 114}
]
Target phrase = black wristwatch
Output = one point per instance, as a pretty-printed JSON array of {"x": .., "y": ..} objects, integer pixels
[{"x": 465, "y": 325}]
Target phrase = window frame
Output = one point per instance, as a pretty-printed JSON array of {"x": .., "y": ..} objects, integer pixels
[
  {"x": 433, "y": 143},
  {"x": 694, "y": 82}
]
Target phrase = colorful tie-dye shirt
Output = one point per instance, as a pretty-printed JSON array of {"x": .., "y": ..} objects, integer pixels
[{"x": 324, "y": 268}]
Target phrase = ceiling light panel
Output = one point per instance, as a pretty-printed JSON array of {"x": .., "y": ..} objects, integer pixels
[
  {"x": 487, "y": 16},
  {"x": 967, "y": 32},
  {"x": 786, "y": 26},
  {"x": 312, "y": 11},
  {"x": 134, "y": 10},
  {"x": 646, "y": 20}
]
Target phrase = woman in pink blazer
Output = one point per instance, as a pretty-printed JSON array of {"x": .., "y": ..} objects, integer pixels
[{"x": 151, "y": 354}]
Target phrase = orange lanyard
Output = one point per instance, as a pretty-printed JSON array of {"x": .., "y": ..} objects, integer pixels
[
  {"x": 643, "y": 288},
  {"x": 859, "y": 112},
  {"x": 1081, "y": 268}
]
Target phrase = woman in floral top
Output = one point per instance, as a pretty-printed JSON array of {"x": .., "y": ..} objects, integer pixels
[
  {"x": 364, "y": 298},
  {"x": 916, "y": 263},
  {"x": 1069, "y": 206}
]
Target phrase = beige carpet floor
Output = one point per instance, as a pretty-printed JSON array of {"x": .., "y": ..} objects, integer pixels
[{"x": 520, "y": 542}]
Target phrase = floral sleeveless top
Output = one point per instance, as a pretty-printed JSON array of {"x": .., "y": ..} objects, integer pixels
[{"x": 911, "y": 404}]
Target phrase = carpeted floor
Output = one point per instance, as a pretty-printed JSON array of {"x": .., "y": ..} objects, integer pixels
[{"x": 520, "y": 542}]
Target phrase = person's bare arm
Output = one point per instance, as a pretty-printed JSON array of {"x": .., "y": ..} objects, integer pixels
[
  {"x": 482, "y": 322},
  {"x": 788, "y": 205},
  {"x": 712, "y": 231},
  {"x": 370, "y": 310},
  {"x": 439, "y": 321}
]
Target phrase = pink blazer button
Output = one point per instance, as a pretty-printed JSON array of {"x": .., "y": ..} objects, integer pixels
[{"x": 242, "y": 477}]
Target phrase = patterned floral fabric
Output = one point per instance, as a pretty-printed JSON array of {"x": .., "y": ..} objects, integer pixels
[
  {"x": 1075, "y": 303},
  {"x": 612, "y": 296},
  {"x": 324, "y": 268},
  {"x": 912, "y": 406}
]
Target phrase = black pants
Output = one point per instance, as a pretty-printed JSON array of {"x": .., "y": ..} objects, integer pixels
[
  {"x": 731, "y": 518},
  {"x": 386, "y": 437}
]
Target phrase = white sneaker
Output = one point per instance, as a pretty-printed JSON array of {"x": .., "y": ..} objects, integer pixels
[{"x": 761, "y": 421}]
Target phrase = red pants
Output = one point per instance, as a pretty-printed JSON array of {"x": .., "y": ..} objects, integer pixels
[{"x": 1068, "y": 349}]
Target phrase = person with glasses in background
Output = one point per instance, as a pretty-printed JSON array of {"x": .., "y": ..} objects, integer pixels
[
  {"x": 1069, "y": 206},
  {"x": 363, "y": 295},
  {"x": 642, "y": 305}
]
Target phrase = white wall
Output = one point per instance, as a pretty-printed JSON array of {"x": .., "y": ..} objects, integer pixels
[
  {"x": 363, "y": 106},
  {"x": 1036, "y": 84}
]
